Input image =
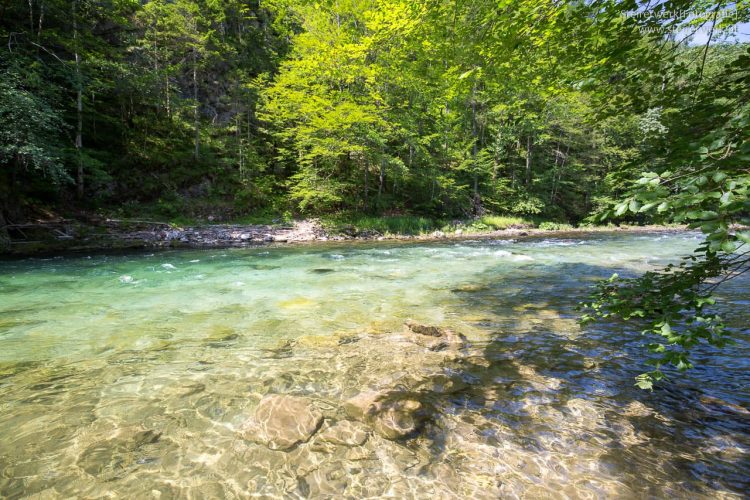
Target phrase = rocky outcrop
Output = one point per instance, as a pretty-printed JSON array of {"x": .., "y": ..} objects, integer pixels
[{"x": 283, "y": 422}]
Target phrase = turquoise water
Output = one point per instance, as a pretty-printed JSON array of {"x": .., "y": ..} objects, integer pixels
[{"x": 100, "y": 353}]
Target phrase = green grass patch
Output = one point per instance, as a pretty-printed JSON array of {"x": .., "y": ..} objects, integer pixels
[
  {"x": 489, "y": 223},
  {"x": 354, "y": 224},
  {"x": 395, "y": 224},
  {"x": 554, "y": 226}
]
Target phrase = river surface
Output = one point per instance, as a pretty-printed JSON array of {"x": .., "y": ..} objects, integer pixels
[{"x": 132, "y": 375}]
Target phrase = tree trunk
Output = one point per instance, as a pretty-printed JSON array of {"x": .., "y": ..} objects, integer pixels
[
  {"x": 196, "y": 121},
  {"x": 169, "y": 104},
  {"x": 381, "y": 179},
  {"x": 475, "y": 138},
  {"x": 79, "y": 104},
  {"x": 528, "y": 159},
  {"x": 41, "y": 21},
  {"x": 367, "y": 187}
]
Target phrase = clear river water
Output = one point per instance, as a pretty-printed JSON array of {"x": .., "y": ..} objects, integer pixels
[{"x": 132, "y": 375}]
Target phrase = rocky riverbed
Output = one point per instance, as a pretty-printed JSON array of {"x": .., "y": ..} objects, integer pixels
[
  {"x": 115, "y": 234},
  {"x": 293, "y": 372}
]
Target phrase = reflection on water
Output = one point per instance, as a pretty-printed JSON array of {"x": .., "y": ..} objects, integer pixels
[{"x": 136, "y": 375}]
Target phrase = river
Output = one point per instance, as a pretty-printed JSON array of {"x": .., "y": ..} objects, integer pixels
[{"x": 135, "y": 374}]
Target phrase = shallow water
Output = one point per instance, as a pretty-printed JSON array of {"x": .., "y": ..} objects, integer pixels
[{"x": 133, "y": 374}]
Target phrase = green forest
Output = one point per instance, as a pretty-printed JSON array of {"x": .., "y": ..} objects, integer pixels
[{"x": 448, "y": 109}]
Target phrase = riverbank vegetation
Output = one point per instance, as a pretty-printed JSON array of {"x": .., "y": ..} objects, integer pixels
[{"x": 401, "y": 113}]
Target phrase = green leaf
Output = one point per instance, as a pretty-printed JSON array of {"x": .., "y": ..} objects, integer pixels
[
  {"x": 729, "y": 246},
  {"x": 644, "y": 381}
]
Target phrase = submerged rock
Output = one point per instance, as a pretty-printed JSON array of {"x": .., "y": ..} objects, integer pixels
[
  {"x": 282, "y": 422},
  {"x": 434, "y": 338},
  {"x": 400, "y": 419},
  {"x": 432, "y": 331},
  {"x": 363, "y": 404},
  {"x": 470, "y": 288},
  {"x": 346, "y": 433},
  {"x": 121, "y": 453},
  {"x": 392, "y": 415}
]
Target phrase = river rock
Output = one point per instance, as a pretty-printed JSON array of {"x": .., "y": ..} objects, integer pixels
[
  {"x": 399, "y": 419},
  {"x": 346, "y": 433},
  {"x": 363, "y": 405},
  {"x": 432, "y": 337},
  {"x": 282, "y": 422},
  {"x": 393, "y": 416},
  {"x": 432, "y": 331}
]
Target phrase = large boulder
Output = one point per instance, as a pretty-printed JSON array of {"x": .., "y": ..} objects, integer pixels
[{"x": 283, "y": 422}]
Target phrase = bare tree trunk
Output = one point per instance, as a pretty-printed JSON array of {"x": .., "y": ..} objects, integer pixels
[
  {"x": 475, "y": 138},
  {"x": 196, "y": 121},
  {"x": 167, "y": 91},
  {"x": 367, "y": 187},
  {"x": 554, "y": 171},
  {"x": 41, "y": 21},
  {"x": 238, "y": 135},
  {"x": 79, "y": 104},
  {"x": 381, "y": 179},
  {"x": 528, "y": 159},
  {"x": 94, "y": 134}
]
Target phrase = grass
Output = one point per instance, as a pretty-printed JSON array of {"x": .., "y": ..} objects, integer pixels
[
  {"x": 490, "y": 223},
  {"x": 415, "y": 225},
  {"x": 388, "y": 225}
]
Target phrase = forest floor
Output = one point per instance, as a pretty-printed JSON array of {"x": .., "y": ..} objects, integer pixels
[{"x": 52, "y": 236}]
